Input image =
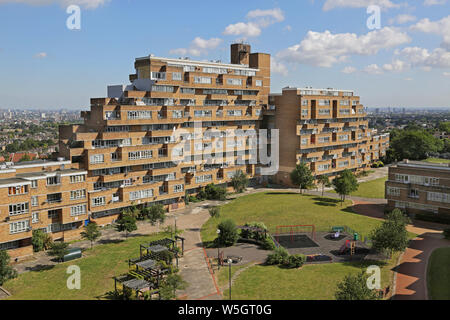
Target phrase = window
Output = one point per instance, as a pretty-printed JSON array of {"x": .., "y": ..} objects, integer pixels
[
  {"x": 178, "y": 188},
  {"x": 137, "y": 155},
  {"x": 305, "y": 141},
  {"x": 176, "y": 114},
  {"x": 343, "y": 137},
  {"x": 343, "y": 164},
  {"x": 258, "y": 83},
  {"x": 18, "y": 208},
  {"x": 205, "y": 178},
  {"x": 78, "y": 178},
  {"x": 53, "y": 214},
  {"x": 112, "y": 115},
  {"x": 304, "y": 112},
  {"x": 202, "y": 80},
  {"x": 234, "y": 82},
  {"x": 344, "y": 111},
  {"x": 141, "y": 194},
  {"x": 304, "y": 103},
  {"x": 323, "y": 167},
  {"x": 12, "y": 191},
  {"x": 19, "y": 226},
  {"x": 97, "y": 158},
  {"x": 323, "y": 102},
  {"x": 344, "y": 102},
  {"x": 324, "y": 139},
  {"x": 176, "y": 76},
  {"x": 142, "y": 114},
  {"x": 35, "y": 217},
  {"x": 395, "y": 192},
  {"x": 52, "y": 181},
  {"x": 414, "y": 193},
  {"x": 115, "y": 156},
  {"x": 78, "y": 194},
  {"x": 188, "y": 68},
  {"x": 54, "y": 198},
  {"x": 34, "y": 201},
  {"x": 234, "y": 113},
  {"x": 34, "y": 184},
  {"x": 78, "y": 210},
  {"x": 158, "y": 76},
  {"x": 156, "y": 88},
  {"x": 99, "y": 201},
  {"x": 324, "y": 111},
  {"x": 438, "y": 197},
  {"x": 187, "y": 90}
]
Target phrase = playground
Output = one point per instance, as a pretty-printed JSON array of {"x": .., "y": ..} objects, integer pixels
[{"x": 333, "y": 246}]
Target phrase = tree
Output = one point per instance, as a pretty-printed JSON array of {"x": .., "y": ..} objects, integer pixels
[
  {"x": 126, "y": 223},
  {"x": 6, "y": 271},
  {"x": 91, "y": 232},
  {"x": 170, "y": 285},
  {"x": 415, "y": 144},
  {"x": 228, "y": 233},
  {"x": 345, "y": 184},
  {"x": 59, "y": 250},
  {"x": 301, "y": 177},
  {"x": 392, "y": 235},
  {"x": 239, "y": 182},
  {"x": 40, "y": 240},
  {"x": 324, "y": 181},
  {"x": 156, "y": 214},
  {"x": 354, "y": 287}
]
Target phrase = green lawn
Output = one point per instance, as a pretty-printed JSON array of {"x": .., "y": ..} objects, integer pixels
[
  {"x": 437, "y": 160},
  {"x": 311, "y": 282},
  {"x": 370, "y": 189},
  {"x": 282, "y": 208},
  {"x": 438, "y": 276},
  {"x": 98, "y": 266}
]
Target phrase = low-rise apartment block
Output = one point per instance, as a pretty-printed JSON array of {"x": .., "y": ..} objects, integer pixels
[
  {"x": 419, "y": 187},
  {"x": 325, "y": 128},
  {"x": 47, "y": 195}
]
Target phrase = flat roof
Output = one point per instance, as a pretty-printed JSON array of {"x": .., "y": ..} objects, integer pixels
[
  {"x": 198, "y": 63},
  {"x": 425, "y": 165},
  {"x": 13, "y": 182}
]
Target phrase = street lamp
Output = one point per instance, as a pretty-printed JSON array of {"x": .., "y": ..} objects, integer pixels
[
  {"x": 218, "y": 249},
  {"x": 176, "y": 225},
  {"x": 229, "y": 275}
]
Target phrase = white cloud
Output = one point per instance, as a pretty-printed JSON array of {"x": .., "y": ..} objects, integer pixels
[
  {"x": 325, "y": 49},
  {"x": 87, "y": 4},
  {"x": 384, "y": 4},
  {"x": 373, "y": 69},
  {"x": 402, "y": 19},
  {"x": 440, "y": 27},
  {"x": 349, "y": 70},
  {"x": 278, "y": 67},
  {"x": 198, "y": 47},
  {"x": 434, "y": 2},
  {"x": 447, "y": 74},
  {"x": 421, "y": 57},
  {"x": 258, "y": 20},
  {"x": 396, "y": 66},
  {"x": 41, "y": 55}
]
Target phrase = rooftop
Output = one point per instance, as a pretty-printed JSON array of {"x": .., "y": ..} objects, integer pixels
[{"x": 424, "y": 165}]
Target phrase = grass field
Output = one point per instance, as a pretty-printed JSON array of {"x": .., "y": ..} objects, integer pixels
[
  {"x": 437, "y": 160},
  {"x": 370, "y": 189},
  {"x": 438, "y": 276},
  {"x": 311, "y": 282},
  {"x": 281, "y": 208},
  {"x": 98, "y": 266}
]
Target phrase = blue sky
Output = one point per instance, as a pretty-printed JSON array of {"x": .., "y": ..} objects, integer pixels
[{"x": 320, "y": 43}]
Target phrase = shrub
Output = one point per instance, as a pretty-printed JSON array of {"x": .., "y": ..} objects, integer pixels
[
  {"x": 446, "y": 233},
  {"x": 214, "y": 192},
  {"x": 279, "y": 256},
  {"x": 59, "y": 250},
  {"x": 228, "y": 233},
  {"x": 214, "y": 212},
  {"x": 256, "y": 235},
  {"x": 39, "y": 240},
  {"x": 268, "y": 244},
  {"x": 295, "y": 261}
]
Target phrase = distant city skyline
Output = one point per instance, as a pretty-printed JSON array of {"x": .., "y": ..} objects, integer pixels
[{"x": 313, "y": 43}]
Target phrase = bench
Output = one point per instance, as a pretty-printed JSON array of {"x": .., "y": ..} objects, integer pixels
[{"x": 337, "y": 229}]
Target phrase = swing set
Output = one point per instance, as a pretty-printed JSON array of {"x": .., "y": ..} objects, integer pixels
[{"x": 294, "y": 230}]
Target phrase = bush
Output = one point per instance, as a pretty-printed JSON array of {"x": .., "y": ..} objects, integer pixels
[
  {"x": 40, "y": 240},
  {"x": 295, "y": 261},
  {"x": 279, "y": 256},
  {"x": 214, "y": 192},
  {"x": 214, "y": 212},
  {"x": 439, "y": 218},
  {"x": 256, "y": 235},
  {"x": 446, "y": 234},
  {"x": 59, "y": 250},
  {"x": 228, "y": 233},
  {"x": 268, "y": 244}
]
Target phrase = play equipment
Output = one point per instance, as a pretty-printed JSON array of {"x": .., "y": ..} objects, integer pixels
[
  {"x": 348, "y": 245},
  {"x": 295, "y": 230}
]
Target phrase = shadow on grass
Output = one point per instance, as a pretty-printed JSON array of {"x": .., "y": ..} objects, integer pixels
[
  {"x": 109, "y": 241},
  {"x": 326, "y": 201},
  {"x": 282, "y": 193},
  {"x": 40, "y": 267}
]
